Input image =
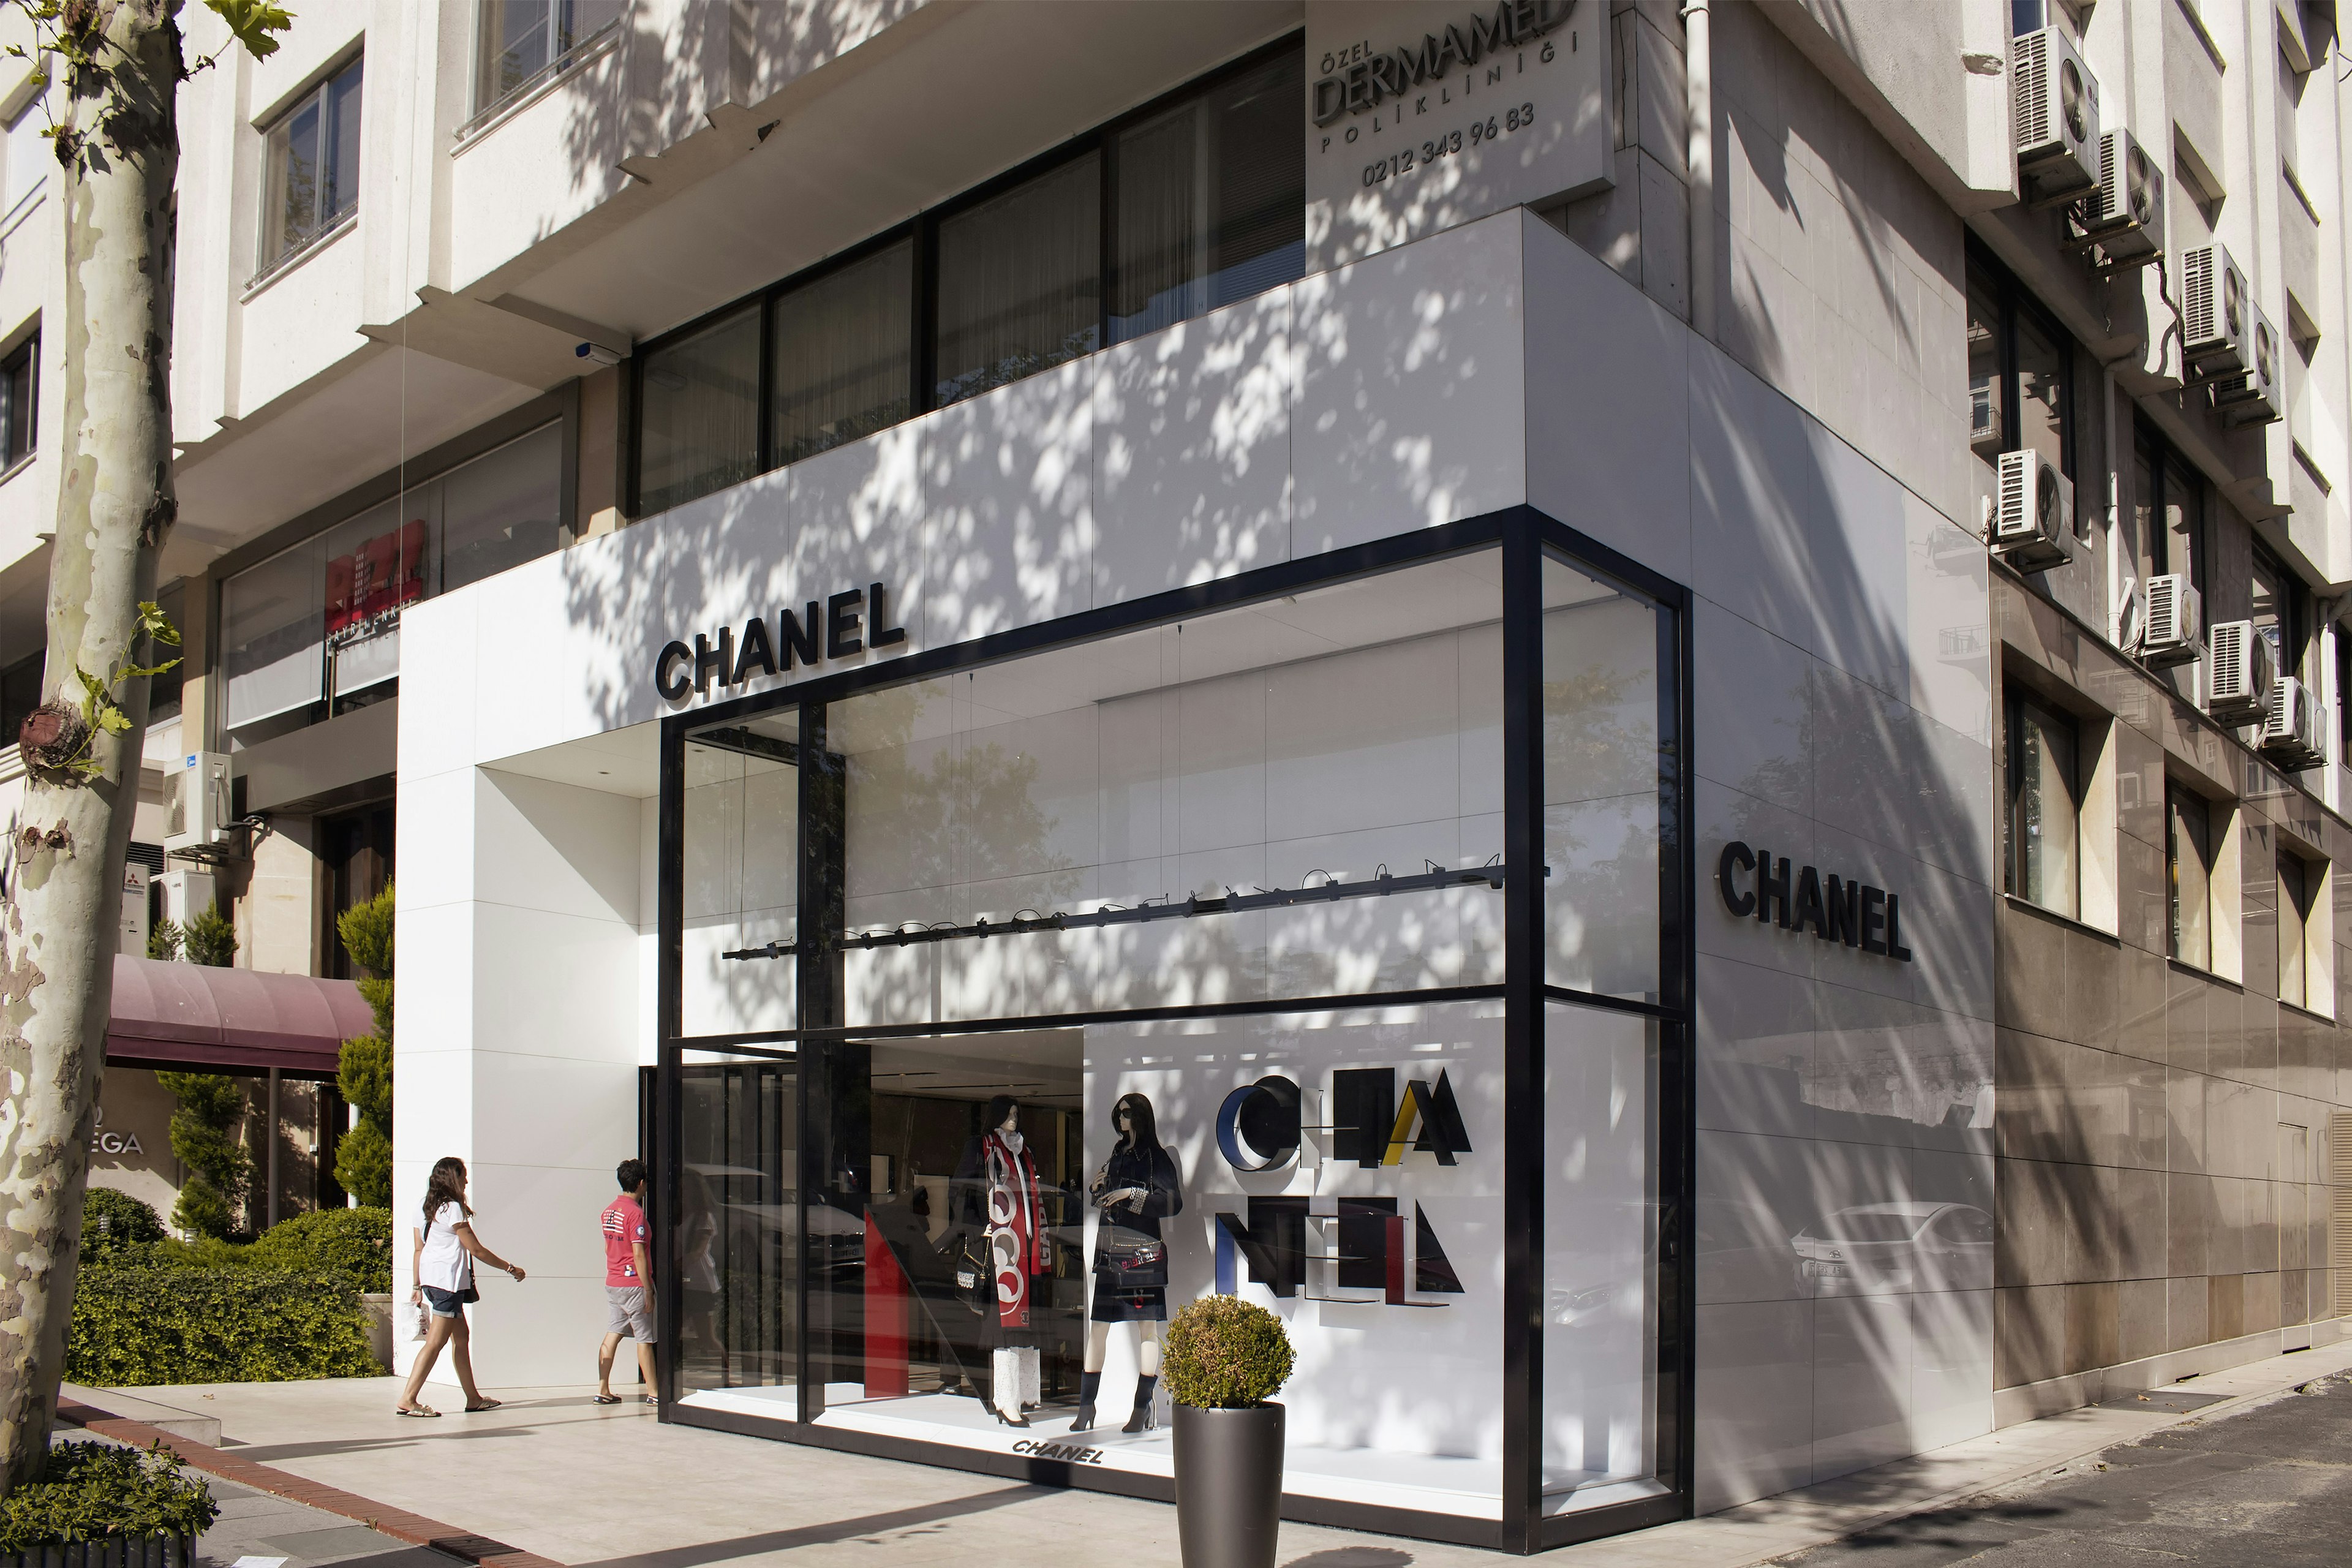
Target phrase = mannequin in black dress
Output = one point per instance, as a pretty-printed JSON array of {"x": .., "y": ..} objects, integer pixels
[{"x": 1135, "y": 1189}]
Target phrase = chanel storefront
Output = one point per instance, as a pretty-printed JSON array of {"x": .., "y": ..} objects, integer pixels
[{"x": 1324, "y": 925}]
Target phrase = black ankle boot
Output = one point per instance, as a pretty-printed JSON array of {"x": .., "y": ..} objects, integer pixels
[
  {"x": 1089, "y": 1384},
  {"x": 1141, "y": 1420}
]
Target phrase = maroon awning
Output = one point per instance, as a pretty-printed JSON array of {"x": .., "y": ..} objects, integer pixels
[{"x": 173, "y": 1014}]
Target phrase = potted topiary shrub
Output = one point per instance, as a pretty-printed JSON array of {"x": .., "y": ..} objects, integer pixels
[
  {"x": 101, "y": 1505},
  {"x": 1224, "y": 1363}
]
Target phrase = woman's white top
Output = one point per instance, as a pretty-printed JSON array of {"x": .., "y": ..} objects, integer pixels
[{"x": 444, "y": 1264}]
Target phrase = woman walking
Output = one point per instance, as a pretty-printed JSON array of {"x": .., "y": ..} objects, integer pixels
[{"x": 443, "y": 1268}]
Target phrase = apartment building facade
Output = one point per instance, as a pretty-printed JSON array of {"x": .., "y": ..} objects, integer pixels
[{"x": 1688, "y": 768}]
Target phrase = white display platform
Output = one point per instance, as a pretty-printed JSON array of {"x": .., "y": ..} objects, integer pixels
[{"x": 1434, "y": 1483}]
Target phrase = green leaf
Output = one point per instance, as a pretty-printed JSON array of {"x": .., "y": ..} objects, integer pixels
[
  {"x": 133, "y": 671},
  {"x": 253, "y": 22},
  {"x": 113, "y": 720},
  {"x": 157, "y": 625}
]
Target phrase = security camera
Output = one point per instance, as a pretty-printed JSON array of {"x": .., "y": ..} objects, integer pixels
[{"x": 597, "y": 353}]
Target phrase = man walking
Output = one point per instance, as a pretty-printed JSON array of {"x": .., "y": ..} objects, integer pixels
[{"x": 628, "y": 1282}]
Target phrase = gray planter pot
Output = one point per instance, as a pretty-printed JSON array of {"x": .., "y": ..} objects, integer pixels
[
  {"x": 1228, "y": 1485},
  {"x": 115, "y": 1551}
]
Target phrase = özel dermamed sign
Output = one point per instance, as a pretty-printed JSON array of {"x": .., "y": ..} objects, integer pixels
[{"x": 1424, "y": 116}]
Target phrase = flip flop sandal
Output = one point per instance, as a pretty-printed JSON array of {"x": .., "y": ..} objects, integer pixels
[
  {"x": 484, "y": 1405},
  {"x": 604, "y": 1399},
  {"x": 415, "y": 1410}
]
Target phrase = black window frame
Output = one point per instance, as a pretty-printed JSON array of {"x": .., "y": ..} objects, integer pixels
[
  {"x": 2302, "y": 897},
  {"x": 2014, "y": 701},
  {"x": 1527, "y": 538},
  {"x": 923, "y": 231},
  {"x": 25, "y": 357},
  {"x": 2016, "y": 304}
]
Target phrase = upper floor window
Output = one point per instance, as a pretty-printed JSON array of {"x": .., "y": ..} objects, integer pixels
[
  {"x": 20, "y": 693},
  {"x": 2167, "y": 510},
  {"x": 520, "y": 39},
  {"x": 2295, "y": 881},
  {"x": 2278, "y": 607},
  {"x": 2020, "y": 373},
  {"x": 2042, "y": 809},
  {"x": 314, "y": 166},
  {"x": 20, "y": 402},
  {"x": 1191, "y": 204},
  {"x": 2188, "y": 865},
  {"x": 314, "y": 631}
]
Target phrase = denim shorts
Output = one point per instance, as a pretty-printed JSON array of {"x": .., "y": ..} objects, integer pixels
[{"x": 447, "y": 1303}]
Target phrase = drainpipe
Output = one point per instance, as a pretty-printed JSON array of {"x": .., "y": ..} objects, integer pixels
[
  {"x": 270, "y": 1208},
  {"x": 1700, "y": 95}
]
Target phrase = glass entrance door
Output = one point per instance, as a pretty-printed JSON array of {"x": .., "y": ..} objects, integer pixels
[{"x": 735, "y": 1230}]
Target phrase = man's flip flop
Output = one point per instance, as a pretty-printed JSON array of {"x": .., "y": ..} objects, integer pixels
[
  {"x": 414, "y": 1410},
  {"x": 484, "y": 1405},
  {"x": 604, "y": 1399}
]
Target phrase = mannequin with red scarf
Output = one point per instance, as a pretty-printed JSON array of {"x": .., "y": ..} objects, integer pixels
[{"x": 999, "y": 1176}]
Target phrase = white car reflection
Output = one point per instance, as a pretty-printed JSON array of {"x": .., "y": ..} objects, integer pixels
[{"x": 1897, "y": 1246}]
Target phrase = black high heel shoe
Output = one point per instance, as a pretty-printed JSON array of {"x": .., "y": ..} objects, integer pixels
[
  {"x": 1010, "y": 1420},
  {"x": 1086, "y": 1419},
  {"x": 1141, "y": 1421}
]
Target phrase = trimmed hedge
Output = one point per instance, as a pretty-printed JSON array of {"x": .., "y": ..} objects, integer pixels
[
  {"x": 92, "y": 1490},
  {"x": 135, "y": 1326},
  {"x": 117, "y": 1228},
  {"x": 355, "y": 1242},
  {"x": 1224, "y": 1354}
]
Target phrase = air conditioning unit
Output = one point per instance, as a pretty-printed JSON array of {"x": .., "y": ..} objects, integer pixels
[
  {"x": 2256, "y": 397},
  {"x": 184, "y": 894},
  {"x": 134, "y": 910},
  {"x": 1984, "y": 416},
  {"x": 2127, "y": 215},
  {"x": 2056, "y": 111},
  {"x": 2216, "y": 323},
  {"x": 2174, "y": 628},
  {"x": 2292, "y": 729},
  {"x": 198, "y": 823},
  {"x": 2238, "y": 673},
  {"x": 2033, "y": 512}
]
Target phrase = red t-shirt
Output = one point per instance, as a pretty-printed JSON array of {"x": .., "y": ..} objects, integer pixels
[{"x": 624, "y": 1227}]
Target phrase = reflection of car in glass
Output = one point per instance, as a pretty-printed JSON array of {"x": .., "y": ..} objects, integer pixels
[{"x": 1897, "y": 1246}]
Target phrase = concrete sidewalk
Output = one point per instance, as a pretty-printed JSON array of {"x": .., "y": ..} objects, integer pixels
[{"x": 611, "y": 1487}]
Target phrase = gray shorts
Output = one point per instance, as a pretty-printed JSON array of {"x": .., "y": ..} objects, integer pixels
[{"x": 629, "y": 1310}]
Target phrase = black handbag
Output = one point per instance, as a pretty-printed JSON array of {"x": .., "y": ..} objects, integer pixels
[
  {"x": 974, "y": 1278},
  {"x": 1127, "y": 1260}
]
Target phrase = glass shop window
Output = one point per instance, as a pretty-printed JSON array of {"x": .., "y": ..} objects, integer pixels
[
  {"x": 2043, "y": 807},
  {"x": 1287, "y": 749},
  {"x": 839, "y": 355},
  {"x": 315, "y": 630},
  {"x": 2295, "y": 881},
  {"x": 2020, "y": 373},
  {"x": 313, "y": 156},
  {"x": 1020, "y": 281},
  {"x": 163, "y": 690},
  {"x": 1209, "y": 201},
  {"x": 741, "y": 874},
  {"x": 699, "y": 413},
  {"x": 1603, "y": 1276},
  {"x": 20, "y": 379},
  {"x": 2189, "y": 865},
  {"x": 522, "y": 39},
  {"x": 1602, "y": 820}
]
